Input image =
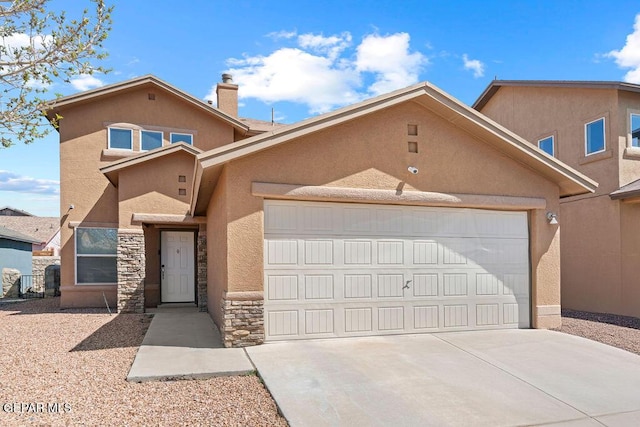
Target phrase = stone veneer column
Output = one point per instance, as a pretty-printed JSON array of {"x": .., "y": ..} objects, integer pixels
[
  {"x": 243, "y": 319},
  {"x": 202, "y": 270},
  {"x": 131, "y": 271}
]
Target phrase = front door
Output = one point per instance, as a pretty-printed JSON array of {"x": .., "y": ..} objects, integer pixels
[{"x": 177, "y": 278}]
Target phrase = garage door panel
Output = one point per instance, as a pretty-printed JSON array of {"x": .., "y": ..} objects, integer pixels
[{"x": 336, "y": 270}]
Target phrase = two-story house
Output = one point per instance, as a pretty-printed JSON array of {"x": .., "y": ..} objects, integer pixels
[
  {"x": 405, "y": 213},
  {"x": 592, "y": 127}
]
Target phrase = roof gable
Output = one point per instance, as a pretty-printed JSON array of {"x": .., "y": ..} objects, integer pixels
[
  {"x": 569, "y": 180},
  {"x": 94, "y": 95},
  {"x": 112, "y": 170}
]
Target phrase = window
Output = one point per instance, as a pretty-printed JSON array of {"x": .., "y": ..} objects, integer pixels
[
  {"x": 120, "y": 138},
  {"x": 635, "y": 130},
  {"x": 182, "y": 137},
  {"x": 546, "y": 145},
  {"x": 96, "y": 255},
  {"x": 150, "y": 140},
  {"x": 594, "y": 136}
]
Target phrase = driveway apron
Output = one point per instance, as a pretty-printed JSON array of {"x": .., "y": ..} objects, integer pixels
[{"x": 480, "y": 378}]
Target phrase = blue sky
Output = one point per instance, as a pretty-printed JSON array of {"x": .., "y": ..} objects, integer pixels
[{"x": 304, "y": 58}]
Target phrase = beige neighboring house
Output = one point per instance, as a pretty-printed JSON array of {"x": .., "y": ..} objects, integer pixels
[
  {"x": 594, "y": 128},
  {"x": 45, "y": 231},
  {"x": 405, "y": 213}
]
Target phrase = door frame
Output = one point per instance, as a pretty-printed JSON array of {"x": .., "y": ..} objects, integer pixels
[{"x": 195, "y": 261}]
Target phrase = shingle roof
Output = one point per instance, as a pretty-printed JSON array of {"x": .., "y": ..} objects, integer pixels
[
  {"x": 6, "y": 233},
  {"x": 627, "y": 191},
  {"x": 38, "y": 228},
  {"x": 20, "y": 212}
]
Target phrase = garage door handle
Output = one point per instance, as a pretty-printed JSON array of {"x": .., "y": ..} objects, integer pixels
[{"x": 406, "y": 285}]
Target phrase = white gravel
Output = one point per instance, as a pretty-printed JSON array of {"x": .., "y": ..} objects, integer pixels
[
  {"x": 78, "y": 359},
  {"x": 618, "y": 331}
]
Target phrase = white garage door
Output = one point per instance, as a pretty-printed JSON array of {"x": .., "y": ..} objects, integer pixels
[{"x": 340, "y": 269}]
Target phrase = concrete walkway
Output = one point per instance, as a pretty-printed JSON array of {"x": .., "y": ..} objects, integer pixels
[
  {"x": 182, "y": 343},
  {"x": 483, "y": 378}
]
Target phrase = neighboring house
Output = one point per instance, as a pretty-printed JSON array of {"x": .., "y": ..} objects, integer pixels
[
  {"x": 406, "y": 213},
  {"x": 45, "y": 231},
  {"x": 593, "y": 127},
  {"x": 9, "y": 211},
  {"x": 15, "y": 253}
]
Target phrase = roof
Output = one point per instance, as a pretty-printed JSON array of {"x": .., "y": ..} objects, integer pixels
[
  {"x": 627, "y": 191},
  {"x": 39, "y": 228},
  {"x": 110, "y": 90},
  {"x": 111, "y": 171},
  {"x": 8, "y": 234},
  {"x": 497, "y": 84},
  {"x": 570, "y": 181},
  {"x": 18, "y": 212}
]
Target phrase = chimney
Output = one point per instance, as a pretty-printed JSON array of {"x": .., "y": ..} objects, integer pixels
[{"x": 227, "y": 93}]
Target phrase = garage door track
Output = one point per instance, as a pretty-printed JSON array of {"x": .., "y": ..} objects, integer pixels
[{"x": 483, "y": 378}]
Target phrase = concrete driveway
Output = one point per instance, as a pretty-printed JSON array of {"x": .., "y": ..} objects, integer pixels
[{"x": 485, "y": 378}]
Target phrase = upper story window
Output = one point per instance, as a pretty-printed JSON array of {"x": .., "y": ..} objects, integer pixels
[
  {"x": 150, "y": 139},
  {"x": 121, "y": 138},
  {"x": 181, "y": 137},
  {"x": 635, "y": 130},
  {"x": 594, "y": 138},
  {"x": 547, "y": 145}
]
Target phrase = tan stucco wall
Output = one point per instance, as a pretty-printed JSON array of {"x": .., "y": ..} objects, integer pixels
[
  {"x": 217, "y": 243},
  {"x": 372, "y": 152},
  {"x": 153, "y": 187},
  {"x": 600, "y": 245},
  {"x": 83, "y": 137}
]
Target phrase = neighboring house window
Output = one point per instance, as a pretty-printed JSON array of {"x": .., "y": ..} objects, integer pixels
[
  {"x": 635, "y": 130},
  {"x": 547, "y": 145},
  {"x": 150, "y": 140},
  {"x": 594, "y": 136},
  {"x": 120, "y": 138},
  {"x": 182, "y": 137},
  {"x": 96, "y": 255}
]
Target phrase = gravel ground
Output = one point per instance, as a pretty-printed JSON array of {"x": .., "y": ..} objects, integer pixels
[
  {"x": 618, "y": 331},
  {"x": 79, "y": 359}
]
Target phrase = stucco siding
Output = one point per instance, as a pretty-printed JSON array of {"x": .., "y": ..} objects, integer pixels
[
  {"x": 630, "y": 259},
  {"x": 372, "y": 152},
  {"x": 217, "y": 245}
]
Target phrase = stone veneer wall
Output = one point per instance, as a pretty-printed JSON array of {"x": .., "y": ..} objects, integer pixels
[
  {"x": 243, "y": 319},
  {"x": 45, "y": 277},
  {"x": 202, "y": 270},
  {"x": 131, "y": 271}
]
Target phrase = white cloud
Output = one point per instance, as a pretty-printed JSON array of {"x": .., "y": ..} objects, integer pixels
[
  {"x": 10, "y": 181},
  {"x": 629, "y": 55},
  {"x": 473, "y": 65},
  {"x": 85, "y": 82},
  {"x": 388, "y": 58},
  {"x": 325, "y": 72},
  {"x": 276, "y": 35}
]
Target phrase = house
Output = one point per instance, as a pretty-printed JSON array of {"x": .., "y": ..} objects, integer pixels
[
  {"x": 409, "y": 212},
  {"x": 9, "y": 211},
  {"x": 44, "y": 230},
  {"x": 15, "y": 260},
  {"x": 592, "y": 127}
]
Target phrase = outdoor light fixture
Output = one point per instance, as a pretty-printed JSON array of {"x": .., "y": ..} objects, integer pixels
[
  {"x": 412, "y": 169},
  {"x": 71, "y": 207},
  {"x": 552, "y": 218}
]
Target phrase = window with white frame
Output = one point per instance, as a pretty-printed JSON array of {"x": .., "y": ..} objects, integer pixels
[
  {"x": 181, "y": 137},
  {"x": 634, "y": 122},
  {"x": 150, "y": 139},
  {"x": 594, "y": 138},
  {"x": 547, "y": 145},
  {"x": 121, "y": 139},
  {"x": 96, "y": 251}
]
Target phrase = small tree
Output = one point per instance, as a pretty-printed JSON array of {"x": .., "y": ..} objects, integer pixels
[{"x": 37, "y": 48}]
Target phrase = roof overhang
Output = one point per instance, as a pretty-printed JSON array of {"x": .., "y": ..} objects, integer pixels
[
  {"x": 570, "y": 181},
  {"x": 628, "y": 193},
  {"x": 112, "y": 170},
  {"x": 495, "y": 85},
  {"x": 56, "y": 106}
]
